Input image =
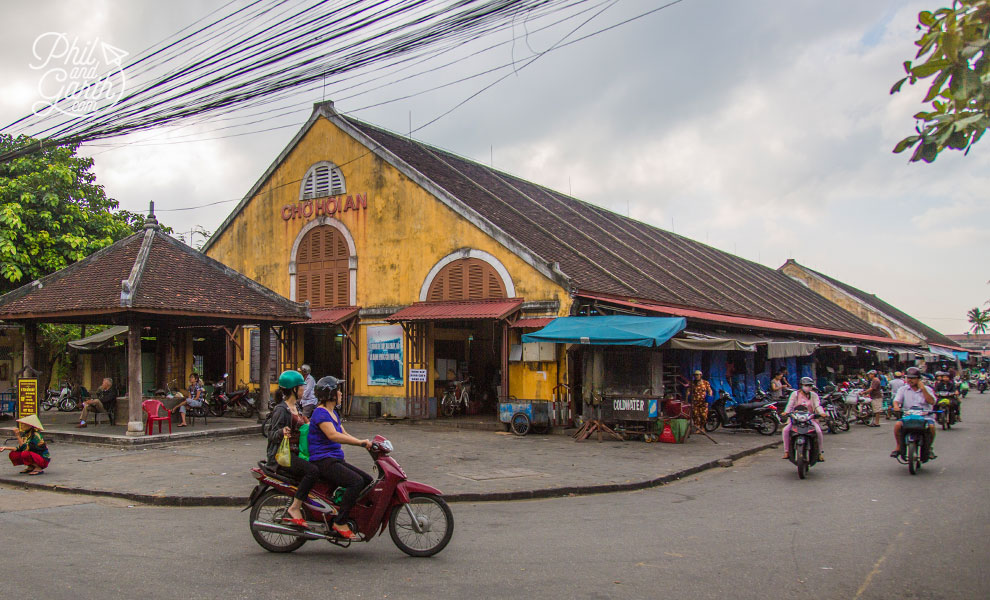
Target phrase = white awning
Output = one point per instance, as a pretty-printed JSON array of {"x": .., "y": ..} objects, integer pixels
[
  {"x": 782, "y": 349},
  {"x": 99, "y": 340}
]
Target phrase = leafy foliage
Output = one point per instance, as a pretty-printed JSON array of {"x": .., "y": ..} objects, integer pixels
[
  {"x": 953, "y": 49},
  {"x": 979, "y": 320},
  {"x": 53, "y": 213}
]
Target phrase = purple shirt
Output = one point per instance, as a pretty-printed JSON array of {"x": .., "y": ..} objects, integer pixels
[{"x": 319, "y": 446}]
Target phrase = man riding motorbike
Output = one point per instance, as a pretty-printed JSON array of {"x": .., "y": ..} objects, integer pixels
[
  {"x": 915, "y": 395},
  {"x": 807, "y": 397},
  {"x": 945, "y": 384}
]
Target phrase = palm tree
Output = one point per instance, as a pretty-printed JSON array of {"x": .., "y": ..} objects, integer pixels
[{"x": 979, "y": 320}]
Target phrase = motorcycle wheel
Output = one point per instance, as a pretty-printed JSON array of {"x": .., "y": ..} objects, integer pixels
[
  {"x": 216, "y": 409},
  {"x": 271, "y": 507},
  {"x": 49, "y": 403},
  {"x": 843, "y": 423},
  {"x": 914, "y": 462},
  {"x": 433, "y": 515},
  {"x": 243, "y": 409},
  {"x": 767, "y": 426},
  {"x": 802, "y": 463},
  {"x": 712, "y": 422},
  {"x": 67, "y": 405},
  {"x": 520, "y": 424}
]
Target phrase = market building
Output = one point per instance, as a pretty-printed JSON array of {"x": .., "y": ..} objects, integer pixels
[{"x": 422, "y": 267}]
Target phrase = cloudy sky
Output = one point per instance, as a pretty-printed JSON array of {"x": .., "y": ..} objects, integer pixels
[{"x": 761, "y": 127}]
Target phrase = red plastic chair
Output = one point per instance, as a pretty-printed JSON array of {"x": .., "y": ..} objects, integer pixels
[{"x": 153, "y": 408}]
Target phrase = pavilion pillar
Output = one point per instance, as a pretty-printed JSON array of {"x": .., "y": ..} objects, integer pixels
[
  {"x": 30, "y": 345},
  {"x": 135, "y": 425},
  {"x": 264, "y": 370}
]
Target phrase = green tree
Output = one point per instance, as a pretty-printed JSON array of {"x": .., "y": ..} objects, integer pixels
[
  {"x": 979, "y": 320},
  {"x": 53, "y": 213},
  {"x": 952, "y": 49}
]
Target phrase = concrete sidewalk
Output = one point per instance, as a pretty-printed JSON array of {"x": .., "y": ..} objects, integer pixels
[{"x": 466, "y": 465}]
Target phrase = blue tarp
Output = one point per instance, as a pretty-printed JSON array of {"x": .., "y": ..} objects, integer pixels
[{"x": 610, "y": 330}]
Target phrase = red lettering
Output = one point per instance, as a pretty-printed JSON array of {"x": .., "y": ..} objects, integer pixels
[
  {"x": 319, "y": 206},
  {"x": 297, "y": 210},
  {"x": 350, "y": 203},
  {"x": 307, "y": 209},
  {"x": 361, "y": 201},
  {"x": 331, "y": 205},
  {"x": 286, "y": 212}
]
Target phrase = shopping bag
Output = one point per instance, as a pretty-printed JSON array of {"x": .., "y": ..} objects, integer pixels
[
  {"x": 304, "y": 441},
  {"x": 667, "y": 435},
  {"x": 284, "y": 455}
]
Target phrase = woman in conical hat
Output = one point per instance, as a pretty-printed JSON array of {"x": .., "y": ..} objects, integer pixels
[{"x": 31, "y": 451}]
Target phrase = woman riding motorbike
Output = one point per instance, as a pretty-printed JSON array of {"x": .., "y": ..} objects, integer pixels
[
  {"x": 808, "y": 398},
  {"x": 326, "y": 434},
  {"x": 287, "y": 418}
]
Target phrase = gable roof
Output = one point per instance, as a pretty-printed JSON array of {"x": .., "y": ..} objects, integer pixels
[
  {"x": 149, "y": 272},
  {"x": 931, "y": 335},
  {"x": 584, "y": 247}
]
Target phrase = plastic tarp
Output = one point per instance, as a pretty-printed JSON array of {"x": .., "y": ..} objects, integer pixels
[
  {"x": 609, "y": 330},
  {"x": 697, "y": 341},
  {"x": 961, "y": 355},
  {"x": 789, "y": 349},
  {"x": 99, "y": 340},
  {"x": 939, "y": 351}
]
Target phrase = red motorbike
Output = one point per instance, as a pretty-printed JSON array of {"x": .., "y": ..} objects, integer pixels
[{"x": 418, "y": 519}]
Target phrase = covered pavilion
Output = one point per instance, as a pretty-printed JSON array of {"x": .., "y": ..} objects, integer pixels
[{"x": 150, "y": 280}]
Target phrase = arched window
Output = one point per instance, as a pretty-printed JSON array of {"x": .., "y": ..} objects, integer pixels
[
  {"x": 322, "y": 179},
  {"x": 322, "y": 268},
  {"x": 466, "y": 279}
]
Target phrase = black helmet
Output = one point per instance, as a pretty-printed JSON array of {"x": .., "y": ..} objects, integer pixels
[{"x": 325, "y": 386}]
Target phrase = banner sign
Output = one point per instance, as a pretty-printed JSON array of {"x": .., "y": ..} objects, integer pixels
[
  {"x": 385, "y": 355},
  {"x": 27, "y": 397},
  {"x": 629, "y": 409}
]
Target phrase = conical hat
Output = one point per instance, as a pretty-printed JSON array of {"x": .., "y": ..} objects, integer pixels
[{"x": 33, "y": 421}]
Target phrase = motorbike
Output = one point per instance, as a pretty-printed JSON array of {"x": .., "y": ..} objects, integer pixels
[
  {"x": 53, "y": 398},
  {"x": 835, "y": 416},
  {"x": 862, "y": 407},
  {"x": 946, "y": 403},
  {"x": 981, "y": 385},
  {"x": 804, "y": 441},
  {"x": 238, "y": 402},
  {"x": 916, "y": 441},
  {"x": 963, "y": 388},
  {"x": 759, "y": 416},
  {"x": 69, "y": 401},
  {"x": 418, "y": 519}
]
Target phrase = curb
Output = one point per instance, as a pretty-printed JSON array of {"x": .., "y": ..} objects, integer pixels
[
  {"x": 557, "y": 492},
  {"x": 145, "y": 440}
]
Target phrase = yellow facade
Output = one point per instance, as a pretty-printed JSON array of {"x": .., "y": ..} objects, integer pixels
[{"x": 399, "y": 236}]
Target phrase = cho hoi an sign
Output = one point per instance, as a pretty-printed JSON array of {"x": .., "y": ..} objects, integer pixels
[
  {"x": 629, "y": 409},
  {"x": 329, "y": 206}
]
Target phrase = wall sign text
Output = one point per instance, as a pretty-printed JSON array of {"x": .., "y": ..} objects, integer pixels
[{"x": 318, "y": 207}]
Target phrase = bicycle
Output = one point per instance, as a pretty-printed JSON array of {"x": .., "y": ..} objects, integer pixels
[{"x": 455, "y": 399}]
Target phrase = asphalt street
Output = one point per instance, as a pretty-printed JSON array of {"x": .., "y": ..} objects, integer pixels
[{"x": 860, "y": 526}]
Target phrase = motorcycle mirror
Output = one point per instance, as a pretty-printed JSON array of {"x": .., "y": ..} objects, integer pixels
[{"x": 224, "y": 375}]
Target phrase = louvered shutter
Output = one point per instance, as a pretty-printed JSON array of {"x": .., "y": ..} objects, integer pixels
[
  {"x": 466, "y": 279},
  {"x": 324, "y": 275}
]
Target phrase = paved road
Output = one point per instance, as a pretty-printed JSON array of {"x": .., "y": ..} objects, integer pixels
[{"x": 859, "y": 527}]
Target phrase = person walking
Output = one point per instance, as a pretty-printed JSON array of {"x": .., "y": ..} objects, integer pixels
[
  {"x": 875, "y": 393},
  {"x": 31, "y": 450},
  {"x": 698, "y": 392},
  {"x": 307, "y": 402}
]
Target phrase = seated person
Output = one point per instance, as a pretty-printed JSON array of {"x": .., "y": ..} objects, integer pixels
[
  {"x": 106, "y": 395},
  {"x": 194, "y": 400}
]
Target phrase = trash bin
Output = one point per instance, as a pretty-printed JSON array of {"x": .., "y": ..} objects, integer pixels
[{"x": 374, "y": 410}]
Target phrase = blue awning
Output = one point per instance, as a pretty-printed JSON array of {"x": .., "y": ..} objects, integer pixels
[
  {"x": 961, "y": 355},
  {"x": 610, "y": 330}
]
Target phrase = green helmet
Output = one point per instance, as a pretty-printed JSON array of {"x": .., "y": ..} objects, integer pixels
[{"x": 290, "y": 379}]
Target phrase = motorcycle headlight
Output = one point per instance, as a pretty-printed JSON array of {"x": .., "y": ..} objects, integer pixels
[{"x": 387, "y": 445}]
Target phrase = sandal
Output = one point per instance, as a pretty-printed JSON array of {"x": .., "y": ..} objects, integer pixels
[
  {"x": 343, "y": 531},
  {"x": 39, "y": 472},
  {"x": 296, "y": 522},
  {"x": 27, "y": 470}
]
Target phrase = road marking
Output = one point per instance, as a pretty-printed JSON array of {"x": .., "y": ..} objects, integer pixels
[{"x": 883, "y": 557}]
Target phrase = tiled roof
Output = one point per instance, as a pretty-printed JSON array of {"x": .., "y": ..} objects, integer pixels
[
  {"x": 331, "y": 316},
  {"x": 458, "y": 309},
  {"x": 170, "y": 278},
  {"x": 608, "y": 254},
  {"x": 931, "y": 336}
]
